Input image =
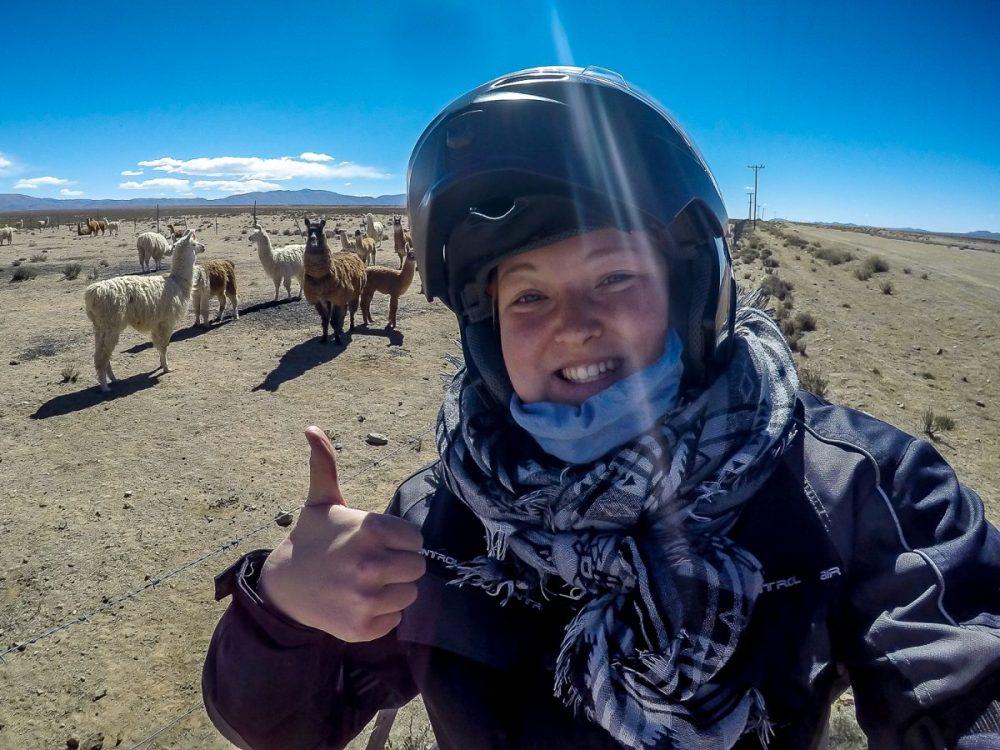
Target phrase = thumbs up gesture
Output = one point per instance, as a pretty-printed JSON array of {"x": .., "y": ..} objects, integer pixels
[{"x": 347, "y": 572}]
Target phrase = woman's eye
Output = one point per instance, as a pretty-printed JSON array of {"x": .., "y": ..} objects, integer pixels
[
  {"x": 527, "y": 298},
  {"x": 615, "y": 278}
]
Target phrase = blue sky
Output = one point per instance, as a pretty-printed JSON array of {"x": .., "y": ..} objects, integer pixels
[{"x": 880, "y": 113}]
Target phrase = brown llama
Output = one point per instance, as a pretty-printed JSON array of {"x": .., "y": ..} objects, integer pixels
[
  {"x": 388, "y": 281},
  {"x": 81, "y": 231},
  {"x": 401, "y": 238},
  {"x": 332, "y": 282},
  {"x": 175, "y": 234},
  {"x": 94, "y": 226},
  {"x": 214, "y": 278},
  {"x": 364, "y": 247}
]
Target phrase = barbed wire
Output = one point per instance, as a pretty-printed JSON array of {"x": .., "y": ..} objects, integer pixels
[
  {"x": 165, "y": 727},
  {"x": 108, "y": 603}
]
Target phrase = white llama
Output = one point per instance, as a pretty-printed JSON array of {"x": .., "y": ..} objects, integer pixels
[
  {"x": 147, "y": 303},
  {"x": 282, "y": 264}
]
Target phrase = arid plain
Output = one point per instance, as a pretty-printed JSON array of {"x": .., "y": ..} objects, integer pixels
[{"x": 105, "y": 497}]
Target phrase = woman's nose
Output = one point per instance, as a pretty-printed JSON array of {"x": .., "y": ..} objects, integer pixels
[{"x": 577, "y": 320}]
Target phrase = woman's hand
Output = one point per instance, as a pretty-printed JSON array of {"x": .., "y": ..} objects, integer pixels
[{"x": 347, "y": 572}]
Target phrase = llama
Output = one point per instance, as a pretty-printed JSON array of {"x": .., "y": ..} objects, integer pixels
[
  {"x": 333, "y": 281},
  {"x": 346, "y": 245},
  {"x": 82, "y": 229},
  {"x": 214, "y": 278},
  {"x": 175, "y": 234},
  {"x": 93, "y": 226},
  {"x": 147, "y": 303},
  {"x": 6, "y": 233},
  {"x": 388, "y": 281},
  {"x": 365, "y": 248},
  {"x": 375, "y": 230},
  {"x": 112, "y": 226},
  {"x": 401, "y": 239},
  {"x": 281, "y": 264},
  {"x": 151, "y": 246}
]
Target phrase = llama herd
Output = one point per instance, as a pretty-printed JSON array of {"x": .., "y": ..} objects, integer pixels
[{"x": 333, "y": 282}]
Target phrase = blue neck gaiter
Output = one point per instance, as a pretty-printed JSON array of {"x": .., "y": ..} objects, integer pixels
[{"x": 606, "y": 420}]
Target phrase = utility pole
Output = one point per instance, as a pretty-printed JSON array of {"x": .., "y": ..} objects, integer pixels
[
  {"x": 756, "y": 168},
  {"x": 750, "y": 206}
]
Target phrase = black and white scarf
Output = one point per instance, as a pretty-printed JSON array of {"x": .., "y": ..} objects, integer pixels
[{"x": 637, "y": 539}]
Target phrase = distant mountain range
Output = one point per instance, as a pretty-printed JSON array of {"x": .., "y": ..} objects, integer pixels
[
  {"x": 19, "y": 202},
  {"x": 981, "y": 234}
]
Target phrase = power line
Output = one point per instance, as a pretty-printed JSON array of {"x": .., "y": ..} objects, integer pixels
[{"x": 756, "y": 168}]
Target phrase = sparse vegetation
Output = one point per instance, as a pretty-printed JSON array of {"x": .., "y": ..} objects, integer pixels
[
  {"x": 832, "y": 255},
  {"x": 872, "y": 264},
  {"x": 38, "y": 257},
  {"x": 70, "y": 374},
  {"x": 103, "y": 263},
  {"x": 805, "y": 321},
  {"x": 933, "y": 423},
  {"x": 16, "y": 263},
  {"x": 923, "y": 276},
  {"x": 906, "y": 270},
  {"x": 885, "y": 286},
  {"x": 24, "y": 274},
  {"x": 94, "y": 274},
  {"x": 813, "y": 381},
  {"x": 72, "y": 270},
  {"x": 774, "y": 286}
]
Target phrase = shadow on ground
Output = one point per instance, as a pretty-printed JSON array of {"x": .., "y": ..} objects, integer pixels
[
  {"x": 300, "y": 359},
  {"x": 88, "y": 397}
]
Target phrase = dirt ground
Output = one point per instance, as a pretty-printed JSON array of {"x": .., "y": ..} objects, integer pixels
[{"x": 105, "y": 495}]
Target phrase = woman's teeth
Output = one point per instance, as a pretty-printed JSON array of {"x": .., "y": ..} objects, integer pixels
[{"x": 590, "y": 373}]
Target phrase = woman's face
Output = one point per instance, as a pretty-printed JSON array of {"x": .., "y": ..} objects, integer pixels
[{"x": 581, "y": 314}]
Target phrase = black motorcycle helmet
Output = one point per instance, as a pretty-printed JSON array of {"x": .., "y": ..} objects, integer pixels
[{"x": 543, "y": 154}]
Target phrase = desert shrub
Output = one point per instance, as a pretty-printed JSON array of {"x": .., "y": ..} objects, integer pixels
[
  {"x": 906, "y": 270},
  {"x": 813, "y": 381},
  {"x": 798, "y": 242},
  {"x": 923, "y": 276},
  {"x": 832, "y": 255},
  {"x": 775, "y": 286},
  {"x": 24, "y": 274},
  {"x": 944, "y": 423},
  {"x": 765, "y": 252},
  {"x": 72, "y": 270},
  {"x": 38, "y": 257},
  {"x": 32, "y": 244},
  {"x": 805, "y": 321},
  {"x": 103, "y": 263},
  {"x": 70, "y": 374},
  {"x": 927, "y": 375},
  {"x": 16, "y": 263},
  {"x": 845, "y": 734},
  {"x": 798, "y": 257},
  {"x": 94, "y": 274},
  {"x": 771, "y": 262},
  {"x": 862, "y": 273},
  {"x": 885, "y": 286},
  {"x": 927, "y": 420},
  {"x": 877, "y": 264},
  {"x": 780, "y": 313}
]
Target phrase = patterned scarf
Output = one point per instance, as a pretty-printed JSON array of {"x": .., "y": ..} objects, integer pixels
[{"x": 636, "y": 539}]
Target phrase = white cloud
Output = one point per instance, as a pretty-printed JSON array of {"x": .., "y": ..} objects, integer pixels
[
  {"x": 313, "y": 156},
  {"x": 257, "y": 168},
  {"x": 4, "y": 163},
  {"x": 236, "y": 186},
  {"x": 70, "y": 193},
  {"x": 162, "y": 183},
  {"x": 131, "y": 172},
  {"x": 33, "y": 183}
]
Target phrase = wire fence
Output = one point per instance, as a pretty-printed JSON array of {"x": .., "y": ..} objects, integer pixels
[{"x": 109, "y": 603}]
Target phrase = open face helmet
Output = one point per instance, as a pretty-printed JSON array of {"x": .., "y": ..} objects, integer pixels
[{"x": 547, "y": 153}]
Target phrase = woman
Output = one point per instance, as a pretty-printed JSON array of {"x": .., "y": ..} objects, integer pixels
[{"x": 639, "y": 533}]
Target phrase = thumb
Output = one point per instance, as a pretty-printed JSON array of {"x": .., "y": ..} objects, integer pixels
[{"x": 323, "y": 487}]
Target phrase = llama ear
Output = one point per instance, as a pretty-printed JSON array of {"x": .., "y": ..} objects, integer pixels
[{"x": 322, "y": 223}]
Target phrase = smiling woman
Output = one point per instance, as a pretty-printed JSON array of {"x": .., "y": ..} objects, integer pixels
[
  {"x": 640, "y": 532},
  {"x": 581, "y": 313}
]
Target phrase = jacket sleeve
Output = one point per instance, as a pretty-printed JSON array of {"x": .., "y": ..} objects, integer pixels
[
  {"x": 271, "y": 682},
  {"x": 924, "y": 609}
]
